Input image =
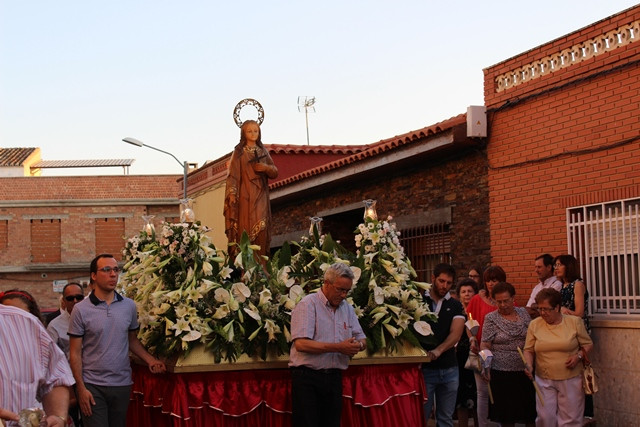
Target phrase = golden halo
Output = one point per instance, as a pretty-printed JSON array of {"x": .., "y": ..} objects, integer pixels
[{"x": 243, "y": 103}]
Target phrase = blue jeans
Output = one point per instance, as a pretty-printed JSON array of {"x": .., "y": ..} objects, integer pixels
[{"x": 442, "y": 389}]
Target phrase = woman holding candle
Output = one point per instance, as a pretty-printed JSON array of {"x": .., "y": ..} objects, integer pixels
[
  {"x": 503, "y": 332},
  {"x": 555, "y": 345}
]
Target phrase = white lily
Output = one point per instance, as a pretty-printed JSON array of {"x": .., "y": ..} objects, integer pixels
[
  {"x": 253, "y": 312},
  {"x": 272, "y": 329},
  {"x": 205, "y": 286},
  {"x": 181, "y": 326},
  {"x": 207, "y": 268},
  {"x": 228, "y": 329},
  {"x": 221, "y": 312},
  {"x": 393, "y": 331},
  {"x": 225, "y": 272},
  {"x": 162, "y": 308},
  {"x": 423, "y": 285},
  {"x": 265, "y": 297},
  {"x": 238, "y": 261}
]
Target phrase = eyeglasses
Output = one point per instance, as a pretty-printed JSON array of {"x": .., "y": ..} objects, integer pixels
[
  {"x": 546, "y": 309},
  {"x": 78, "y": 297},
  {"x": 558, "y": 265},
  {"x": 108, "y": 270},
  {"x": 504, "y": 301},
  {"x": 474, "y": 276},
  {"x": 341, "y": 290}
]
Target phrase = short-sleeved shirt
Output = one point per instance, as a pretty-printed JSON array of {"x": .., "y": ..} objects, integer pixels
[
  {"x": 447, "y": 309},
  {"x": 478, "y": 309},
  {"x": 314, "y": 318},
  {"x": 58, "y": 329},
  {"x": 506, "y": 337},
  {"x": 553, "y": 344},
  {"x": 104, "y": 329},
  {"x": 551, "y": 282},
  {"x": 31, "y": 364}
]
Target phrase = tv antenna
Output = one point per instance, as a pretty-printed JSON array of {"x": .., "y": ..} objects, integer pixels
[{"x": 307, "y": 103}]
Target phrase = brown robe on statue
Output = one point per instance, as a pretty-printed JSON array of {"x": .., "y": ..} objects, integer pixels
[{"x": 251, "y": 211}]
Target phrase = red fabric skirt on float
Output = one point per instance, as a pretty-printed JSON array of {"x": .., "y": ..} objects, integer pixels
[{"x": 373, "y": 395}]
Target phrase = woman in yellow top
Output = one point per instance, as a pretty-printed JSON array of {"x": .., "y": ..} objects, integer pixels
[{"x": 557, "y": 343}]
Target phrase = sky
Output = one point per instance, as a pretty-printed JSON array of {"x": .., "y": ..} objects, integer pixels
[{"x": 76, "y": 77}]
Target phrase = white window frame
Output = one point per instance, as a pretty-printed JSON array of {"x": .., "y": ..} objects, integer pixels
[{"x": 605, "y": 238}]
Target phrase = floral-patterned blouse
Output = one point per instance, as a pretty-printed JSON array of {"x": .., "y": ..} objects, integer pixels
[
  {"x": 568, "y": 300},
  {"x": 505, "y": 336}
]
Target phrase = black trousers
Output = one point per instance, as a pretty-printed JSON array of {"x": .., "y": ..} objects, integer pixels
[{"x": 316, "y": 397}]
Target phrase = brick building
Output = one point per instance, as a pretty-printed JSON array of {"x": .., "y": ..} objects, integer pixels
[
  {"x": 51, "y": 227},
  {"x": 564, "y": 177},
  {"x": 433, "y": 181}
]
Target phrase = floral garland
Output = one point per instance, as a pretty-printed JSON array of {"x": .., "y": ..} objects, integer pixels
[{"x": 189, "y": 292}]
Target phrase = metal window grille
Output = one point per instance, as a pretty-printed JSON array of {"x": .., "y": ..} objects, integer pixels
[
  {"x": 605, "y": 238},
  {"x": 426, "y": 246}
]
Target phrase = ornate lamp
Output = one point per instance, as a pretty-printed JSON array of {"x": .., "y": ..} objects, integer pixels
[
  {"x": 317, "y": 221},
  {"x": 148, "y": 226},
  {"x": 370, "y": 209},
  {"x": 186, "y": 211}
]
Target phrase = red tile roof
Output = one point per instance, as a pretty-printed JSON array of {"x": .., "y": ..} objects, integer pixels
[
  {"x": 376, "y": 149},
  {"x": 314, "y": 149},
  {"x": 14, "y": 156}
]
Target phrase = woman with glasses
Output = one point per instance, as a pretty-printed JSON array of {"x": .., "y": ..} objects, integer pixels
[
  {"x": 476, "y": 275},
  {"x": 479, "y": 306},
  {"x": 556, "y": 344},
  {"x": 503, "y": 332}
]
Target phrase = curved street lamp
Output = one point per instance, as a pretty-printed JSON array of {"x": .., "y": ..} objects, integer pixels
[{"x": 184, "y": 164}]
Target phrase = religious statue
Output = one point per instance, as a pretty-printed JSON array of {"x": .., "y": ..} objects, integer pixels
[{"x": 246, "y": 202}]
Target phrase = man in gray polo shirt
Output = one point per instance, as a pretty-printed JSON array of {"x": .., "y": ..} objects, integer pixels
[{"x": 102, "y": 331}]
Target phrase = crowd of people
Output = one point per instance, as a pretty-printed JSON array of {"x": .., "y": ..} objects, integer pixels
[
  {"x": 527, "y": 360},
  {"x": 77, "y": 370},
  {"x": 514, "y": 364}
]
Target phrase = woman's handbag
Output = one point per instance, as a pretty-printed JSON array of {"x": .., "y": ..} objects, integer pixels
[
  {"x": 473, "y": 362},
  {"x": 588, "y": 375}
]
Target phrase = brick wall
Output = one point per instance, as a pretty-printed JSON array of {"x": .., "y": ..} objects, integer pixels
[
  {"x": 64, "y": 221},
  {"x": 564, "y": 139},
  {"x": 459, "y": 182}
]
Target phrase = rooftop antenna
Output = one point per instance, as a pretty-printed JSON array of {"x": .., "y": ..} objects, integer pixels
[{"x": 307, "y": 102}]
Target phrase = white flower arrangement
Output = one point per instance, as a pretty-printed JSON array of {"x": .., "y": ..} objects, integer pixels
[{"x": 189, "y": 292}]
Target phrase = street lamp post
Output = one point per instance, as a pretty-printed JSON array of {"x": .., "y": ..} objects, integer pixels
[{"x": 184, "y": 164}]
